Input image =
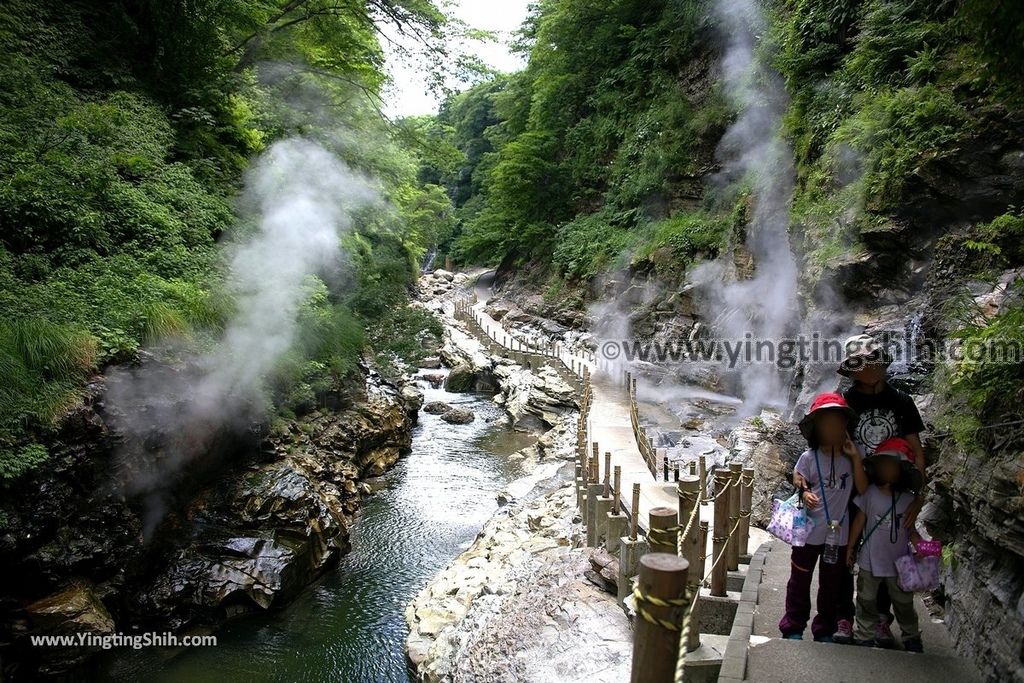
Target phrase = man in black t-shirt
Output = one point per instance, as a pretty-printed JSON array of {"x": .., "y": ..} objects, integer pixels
[
  {"x": 882, "y": 415},
  {"x": 883, "y": 412}
]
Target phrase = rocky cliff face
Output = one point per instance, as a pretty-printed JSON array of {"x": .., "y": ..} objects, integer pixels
[
  {"x": 978, "y": 508},
  {"x": 899, "y": 274},
  {"x": 243, "y": 536}
]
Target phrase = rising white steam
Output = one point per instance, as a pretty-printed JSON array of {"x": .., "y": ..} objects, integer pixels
[
  {"x": 754, "y": 153},
  {"x": 299, "y": 199}
]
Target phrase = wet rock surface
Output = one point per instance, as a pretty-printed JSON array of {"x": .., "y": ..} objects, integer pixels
[
  {"x": 458, "y": 416},
  {"x": 265, "y": 532},
  {"x": 70, "y": 612},
  {"x": 535, "y": 398},
  {"x": 244, "y": 535},
  {"x": 518, "y": 606}
]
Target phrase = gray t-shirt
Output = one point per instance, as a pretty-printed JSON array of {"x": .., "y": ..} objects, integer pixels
[
  {"x": 878, "y": 555},
  {"x": 837, "y": 473}
]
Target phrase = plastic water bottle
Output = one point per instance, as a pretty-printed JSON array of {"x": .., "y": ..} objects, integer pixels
[{"x": 831, "y": 554}]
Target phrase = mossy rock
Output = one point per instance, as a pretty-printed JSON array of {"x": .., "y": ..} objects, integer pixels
[{"x": 460, "y": 379}]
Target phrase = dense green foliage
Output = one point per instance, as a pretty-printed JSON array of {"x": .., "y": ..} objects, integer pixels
[
  {"x": 569, "y": 160},
  {"x": 882, "y": 91},
  {"x": 125, "y": 127},
  {"x": 124, "y": 130},
  {"x": 984, "y": 385},
  {"x": 612, "y": 124}
]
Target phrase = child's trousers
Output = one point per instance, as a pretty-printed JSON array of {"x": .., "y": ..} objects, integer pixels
[
  {"x": 867, "y": 606},
  {"x": 798, "y": 593}
]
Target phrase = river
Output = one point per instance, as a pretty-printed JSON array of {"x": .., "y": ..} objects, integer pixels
[{"x": 350, "y": 626}]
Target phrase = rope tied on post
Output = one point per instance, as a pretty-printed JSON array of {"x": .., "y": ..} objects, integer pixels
[
  {"x": 685, "y": 601},
  {"x": 689, "y": 497}
]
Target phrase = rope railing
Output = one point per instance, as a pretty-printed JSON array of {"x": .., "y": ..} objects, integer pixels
[
  {"x": 643, "y": 443},
  {"x": 728, "y": 537},
  {"x": 523, "y": 350}
]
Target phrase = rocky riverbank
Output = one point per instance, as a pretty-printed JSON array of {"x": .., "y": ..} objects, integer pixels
[
  {"x": 517, "y": 605},
  {"x": 535, "y": 399},
  {"x": 266, "y": 512}
]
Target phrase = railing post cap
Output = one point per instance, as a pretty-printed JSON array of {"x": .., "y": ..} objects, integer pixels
[{"x": 664, "y": 562}]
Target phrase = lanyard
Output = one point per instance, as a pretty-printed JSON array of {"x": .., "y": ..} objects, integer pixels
[
  {"x": 824, "y": 498},
  {"x": 895, "y": 499}
]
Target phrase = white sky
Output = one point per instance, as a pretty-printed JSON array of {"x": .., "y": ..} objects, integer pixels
[{"x": 407, "y": 96}]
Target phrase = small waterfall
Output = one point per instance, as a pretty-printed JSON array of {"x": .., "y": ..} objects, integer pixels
[
  {"x": 904, "y": 344},
  {"x": 428, "y": 260}
]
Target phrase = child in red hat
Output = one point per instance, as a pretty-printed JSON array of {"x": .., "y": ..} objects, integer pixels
[
  {"x": 826, "y": 475},
  {"x": 881, "y": 510}
]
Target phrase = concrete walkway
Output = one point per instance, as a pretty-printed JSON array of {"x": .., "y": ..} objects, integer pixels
[
  {"x": 771, "y": 659},
  {"x": 610, "y": 426},
  {"x": 609, "y": 423}
]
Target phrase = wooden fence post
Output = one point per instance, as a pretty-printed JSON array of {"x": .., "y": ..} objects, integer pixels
[
  {"x": 663, "y": 576},
  {"x": 581, "y": 477},
  {"x": 635, "y": 516},
  {"x": 616, "y": 521},
  {"x": 735, "y": 472},
  {"x": 689, "y": 504},
  {"x": 704, "y": 527},
  {"x": 608, "y": 473},
  {"x": 594, "y": 491},
  {"x": 660, "y": 536},
  {"x": 719, "y": 572},
  {"x": 631, "y": 549},
  {"x": 703, "y": 474}
]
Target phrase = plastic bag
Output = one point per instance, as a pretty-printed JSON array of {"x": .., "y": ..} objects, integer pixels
[
  {"x": 917, "y": 574},
  {"x": 790, "y": 522}
]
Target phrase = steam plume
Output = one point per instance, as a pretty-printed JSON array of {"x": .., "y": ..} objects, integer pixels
[
  {"x": 753, "y": 152},
  {"x": 300, "y": 199}
]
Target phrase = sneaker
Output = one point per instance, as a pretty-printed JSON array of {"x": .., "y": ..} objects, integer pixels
[
  {"x": 913, "y": 644},
  {"x": 793, "y": 636},
  {"x": 866, "y": 643},
  {"x": 883, "y": 635},
  {"x": 823, "y": 639},
  {"x": 844, "y": 632}
]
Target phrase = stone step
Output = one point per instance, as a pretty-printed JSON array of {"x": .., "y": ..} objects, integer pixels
[
  {"x": 775, "y": 660},
  {"x": 770, "y": 659}
]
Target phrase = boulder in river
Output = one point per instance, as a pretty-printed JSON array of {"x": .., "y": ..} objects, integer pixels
[
  {"x": 459, "y": 416},
  {"x": 460, "y": 379},
  {"x": 72, "y": 611},
  {"x": 436, "y": 408},
  {"x": 435, "y": 379},
  {"x": 413, "y": 397}
]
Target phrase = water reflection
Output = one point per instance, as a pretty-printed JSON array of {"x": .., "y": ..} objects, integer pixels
[{"x": 350, "y": 626}]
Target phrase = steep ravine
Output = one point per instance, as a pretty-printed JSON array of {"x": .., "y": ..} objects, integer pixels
[
  {"x": 244, "y": 532},
  {"x": 348, "y": 626},
  {"x": 263, "y": 515}
]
